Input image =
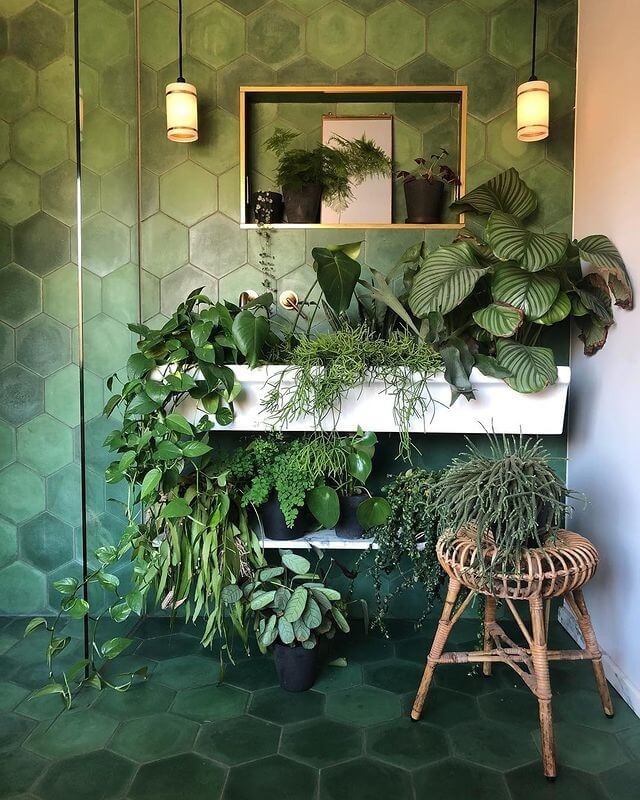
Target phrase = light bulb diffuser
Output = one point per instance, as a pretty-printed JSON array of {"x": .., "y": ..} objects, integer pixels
[
  {"x": 182, "y": 112},
  {"x": 533, "y": 111}
]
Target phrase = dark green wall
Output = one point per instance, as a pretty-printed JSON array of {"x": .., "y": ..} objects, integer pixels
[{"x": 190, "y": 235}]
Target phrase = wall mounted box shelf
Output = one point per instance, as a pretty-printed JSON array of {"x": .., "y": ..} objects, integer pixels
[
  {"x": 448, "y": 101},
  {"x": 496, "y": 407}
]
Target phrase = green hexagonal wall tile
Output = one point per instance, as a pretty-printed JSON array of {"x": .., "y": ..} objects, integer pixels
[
  {"x": 335, "y": 34},
  {"x": 176, "y": 286},
  {"x": 503, "y": 147},
  {"x": 229, "y": 193},
  {"x": 45, "y": 444},
  {"x": 288, "y": 252},
  {"x": 19, "y": 193},
  {"x": 562, "y": 33},
  {"x": 105, "y": 141},
  {"x": 217, "y": 148},
  {"x": 492, "y": 87},
  {"x": 215, "y": 35},
  {"x": 188, "y": 193},
  {"x": 165, "y": 245},
  {"x": 107, "y": 345},
  {"x": 21, "y": 493},
  {"x": 19, "y": 89},
  {"x": 62, "y": 399},
  {"x": 118, "y": 193},
  {"x": 244, "y": 279},
  {"x": 197, "y": 73},
  {"x": 306, "y": 70},
  {"x": 23, "y": 586},
  {"x": 20, "y": 298},
  {"x": 106, "y": 244},
  {"x": 8, "y": 542},
  {"x": 158, "y": 41},
  {"x": 158, "y": 153},
  {"x": 120, "y": 293},
  {"x": 275, "y": 34},
  {"x": 426, "y": 70},
  {"x": 188, "y": 773},
  {"x": 39, "y": 141},
  {"x": 105, "y": 34},
  {"x": 21, "y": 394},
  {"x": 56, "y": 88},
  {"x": 5, "y": 244},
  {"x": 7, "y": 345},
  {"x": 63, "y": 494},
  {"x": 7, "y": 445},
  {"x": 554, "y": 187},
  {"x": 476, "y": 140},
  {"x": 562, "y": 83},
  {"x": 60, "y": 294},
  {"x": 46, "y": 542},
  {"x": 217, "y": 245},
  {"x": 395, "y": 34},
  {"x": 43, "y": 345},
  {"x": 457, "y": 34},
  {"x": 244, "y": 71},
  {"x": 41, "y": 244},
  {"x": 5, "y": 133},
  {"x": 118, "y": 88},
  {"x": 510, "y": 33},
  {"x": 560, "y": 142},
  {"x": 37, "y": 35},
  {"x": 363, "y": 71},
  {"x": 59, "y": 193}
]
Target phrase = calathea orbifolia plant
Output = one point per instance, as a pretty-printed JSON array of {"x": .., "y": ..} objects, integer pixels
[{"x": 485, "y": 300}]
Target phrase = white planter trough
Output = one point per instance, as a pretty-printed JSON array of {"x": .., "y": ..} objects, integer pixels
[{"x": 496, "y": 407}]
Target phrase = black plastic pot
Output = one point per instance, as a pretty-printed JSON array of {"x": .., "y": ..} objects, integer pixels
[
  {"x": 267, "y": 208},
  {"x": 348, "y": 526},
  {"x": 424, "y": 201},
  {"x": 275, "y": 526},
  {"x": 303, "y": 205},
  {"x": 297, "y": 667}
]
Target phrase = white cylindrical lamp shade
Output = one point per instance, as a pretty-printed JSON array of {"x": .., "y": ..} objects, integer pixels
[
  {"x": 182, "y": 112},
  {"x": 533, "y": 111}
]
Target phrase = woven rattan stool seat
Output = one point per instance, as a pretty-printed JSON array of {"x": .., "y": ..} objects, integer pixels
[{"x": 560, "y": 566}]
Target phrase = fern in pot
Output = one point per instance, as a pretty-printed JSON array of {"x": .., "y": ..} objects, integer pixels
[{"x": 293, "y": 610}]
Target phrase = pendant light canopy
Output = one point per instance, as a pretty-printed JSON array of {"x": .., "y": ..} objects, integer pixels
[
  {"x": 181, "y": 101},
  {"x": 533, "y": 98}
]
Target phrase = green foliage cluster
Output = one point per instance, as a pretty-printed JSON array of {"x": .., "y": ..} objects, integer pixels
[
  {"x": 335, "y": 168},
  {"x": 292, "y": 605}
]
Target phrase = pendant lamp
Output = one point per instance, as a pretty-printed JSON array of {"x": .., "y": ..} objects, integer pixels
[
  {"x": 181, "y": 100},
  {"x": 533, "y": 98}
]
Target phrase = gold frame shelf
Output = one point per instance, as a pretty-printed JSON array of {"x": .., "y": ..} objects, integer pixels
[{"x": 402, "y": 93}]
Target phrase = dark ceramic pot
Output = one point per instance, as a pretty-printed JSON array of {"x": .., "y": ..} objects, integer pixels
[
  {"x": 297, "y": 667},
  {"x": 267, "y": 208},
  {"x": 424, "y": 201},
  {"x": 348, "y": 526},
  {"x": 275, "y": 526},
  {"x": 303, "y": 205}
]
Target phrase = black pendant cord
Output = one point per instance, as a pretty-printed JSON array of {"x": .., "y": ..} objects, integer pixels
[
  {"x": 180, "y": 76},
  {"x": 533, "y": 43}
]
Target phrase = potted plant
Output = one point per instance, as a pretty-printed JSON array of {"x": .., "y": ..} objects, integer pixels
[
  {"x": 293, "y": 610},
  {"x": 424, "y": 188},
  {"x": 324, "y": 172}
]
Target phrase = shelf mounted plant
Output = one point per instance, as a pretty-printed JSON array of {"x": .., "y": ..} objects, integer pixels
[{"x": 424, "y": 188}]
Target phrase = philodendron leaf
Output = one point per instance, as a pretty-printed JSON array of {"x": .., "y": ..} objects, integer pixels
[
  {"x": 560, "y": 309},
  {"x": 603, "y": 255},
  {"x": 337, "y": 275},
  {"x": 324, "y": 504},
  {"x": 447, "y": 276},
  {"x": 510, "y": 241},
  {"x": 499, "y": 319},
  {"x": 250, "y": 332},
  {"x": 532, "y": 368},
  {"x": 533, "y": 292},
  {"x": 506, "y": 192},
  {"x": 373, "y": 511}
]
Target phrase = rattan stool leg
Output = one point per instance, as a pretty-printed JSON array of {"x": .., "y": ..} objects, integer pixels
[
  {"x": 489, "y": 618},
  {"x": 542, "y": 684},
  {"x": 591, "y": 646},
  {"x": 437, "y": 646}
]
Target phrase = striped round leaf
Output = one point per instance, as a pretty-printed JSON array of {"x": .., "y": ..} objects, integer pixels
[
  {"x": 532, "y": 368},
  {"x": 560, "y": 309},
  {"x": 499, "y": 319},
  {"x": 533, "y": 251},
  {"x": 533, "y": 292},
  {"x": 506, "y": 192},
  {"x": 601, "y": 253},
  {"x": 447, "y": 276}
]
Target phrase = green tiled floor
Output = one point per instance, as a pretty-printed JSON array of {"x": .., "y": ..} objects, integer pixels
[{"x": 183, "y": 735}]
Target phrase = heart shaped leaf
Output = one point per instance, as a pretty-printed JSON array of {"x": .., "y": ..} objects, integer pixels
[
  {"x": 250, "y": 333},
  {"x": 532, "y": 368},
  {"x": 533, "y": 292},
  {"x": 338, "y": 275},
  {"x": 323, "y": 503}
]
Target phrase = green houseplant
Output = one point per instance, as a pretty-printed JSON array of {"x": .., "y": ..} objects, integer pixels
[
  {"x": 424, "y": 188},
  {"x": 325, "y": 172},
  {"x": 292, "y": 610}
]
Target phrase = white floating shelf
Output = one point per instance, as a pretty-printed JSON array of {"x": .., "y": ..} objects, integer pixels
[
  {"x": 325, "y": 540},
  {"x": 496, "y": 407}
]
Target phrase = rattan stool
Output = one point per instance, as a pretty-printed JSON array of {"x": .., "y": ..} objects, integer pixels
[{"x": 558, "y": 569}]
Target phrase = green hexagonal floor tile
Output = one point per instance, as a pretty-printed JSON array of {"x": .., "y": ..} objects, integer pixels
[
  {"x": 525, "y": 783},
  {"x": 335, "y": 35},
  {"x": 20, "y": 297},
  {"x": 13, "y": 730},
  {"x": 41, "y": 244},
  {"x": 140, "y": 700},
  {"x": 275, "y": 35},
  {"x": 105, "y": 141},
  {"x": 209, "y": 703},
  {"x": 395, "y": 34},
  {"x": 252, "y": 673},
  {"x": 37, "y": 35},
  {"x": 321, "y": 742},
  {"x": 19, "y": 193},
  {"x": 333, "y": 679},
  {"x": 75, "y": 733},
  {"x": 39, "y": 141},
  {"x": 100, "y": 774},
  {"x": 187, "y": 672},
  {"x": 23, "y": 586},
  {"x": 154, "y": 736},
  {"x": 407, "y": 745},
  {"x": 158, "y": 42},
  {"x": 497, "y": 745},
  {"x": 21, "y": 394},
  {"x": 43, "y": 345},
  {"x": 19, "y": 772},
  {"x": 104, "y": 35},
  {"x": 107, "y": 345},
  {"x": 188, "y": 193},
  {"x": 45, "y": 444},
  {"x": 586, "y": 748},
  {"x": 394, "y": 676},
  {"x": 492, "y": 87},
  {"x": 363, "y": 705},
  {"x": 164, "y": 245},
  {"x": 364, "y": 779},
  {"x": 238, "y": 740},
  {"x": 270, "y": 777},
  {"x": 188, "y": 775},
  {"x": 217, "y": 245},
  {"x": 59, "y": 195},
  {"x": 277, "y": 706},
  {"x": 46, "y": 542},
  {"x": 215, "y": 35},
  {"x": 453, "y": 778},
  {"x": 19, "y": 89},
  {"x": 517, "y": 706}
]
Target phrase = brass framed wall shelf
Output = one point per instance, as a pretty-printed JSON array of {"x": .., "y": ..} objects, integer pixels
[{"x": 425, "y": 118}]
